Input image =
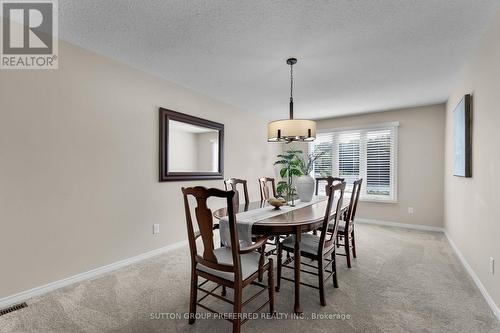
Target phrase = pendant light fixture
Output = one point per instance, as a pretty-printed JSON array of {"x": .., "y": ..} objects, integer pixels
[{"x": 288, "y": 130}]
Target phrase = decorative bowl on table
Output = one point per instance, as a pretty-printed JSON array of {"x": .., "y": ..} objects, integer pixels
[{"x": 276, "y": 202}]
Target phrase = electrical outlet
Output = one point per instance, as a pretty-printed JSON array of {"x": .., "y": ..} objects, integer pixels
[
  {"x": 410, "y": 210},
  {"x": 492, "y": 266},
  {"x": 156, "y": 229}
]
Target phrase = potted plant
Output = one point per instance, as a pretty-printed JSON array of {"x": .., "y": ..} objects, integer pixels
[
  {"x": 305, "y": 183},
  {"x": 290, "y": 166}
]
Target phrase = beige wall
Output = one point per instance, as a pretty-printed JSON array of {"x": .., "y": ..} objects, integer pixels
[
  {"x": 79, "y": 166},
  {"x": 420, "y": 164},
  {"x": 207, "y": 151},
  {"x": 472, "y": 205},
  {"x": 183, "y": 152}
]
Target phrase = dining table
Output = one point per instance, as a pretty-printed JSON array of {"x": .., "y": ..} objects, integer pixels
[{"x": 294, "y": 222}]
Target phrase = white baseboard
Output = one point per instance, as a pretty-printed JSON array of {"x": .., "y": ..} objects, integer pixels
[
  {"x": 24, "y": 295},
  {"x": 475, "y": 278},
  {"x": 400, "y": 225},
  {"x": 468, "y": 268}
]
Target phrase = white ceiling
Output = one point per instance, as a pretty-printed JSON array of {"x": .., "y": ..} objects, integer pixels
[{"x": 354, "y": 56}]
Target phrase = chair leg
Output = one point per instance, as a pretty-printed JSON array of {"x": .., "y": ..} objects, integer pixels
[
  {"x": 353, "y": 245},
  {"x": 223, "y": 291},
  {"x": 321, "y": 280},
  {"x": 193, "y": 297},
  {"x": 347, "y": 250},
  {"x": 237, "y": 309},
  {"x": 334, "y": 269},
  {"x": 280, "y": 263},
  {"x": 270, "y": 285},
  {"x": 261, "y": 261}
]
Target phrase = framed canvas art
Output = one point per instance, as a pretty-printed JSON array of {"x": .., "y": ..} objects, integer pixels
[{"x": 462, "y": 138}]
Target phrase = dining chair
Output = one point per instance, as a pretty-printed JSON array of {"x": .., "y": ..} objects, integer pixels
[
  {"x": 329, "y": 180},
  {"x": 346, "y": 225},
  {"x": 232, "y": 184},
  {"x": 264, "y": 183},
  {"x": 318, "y": 248},
  {"x": 264, "y": 188},
  {"x": 231, "y": 267}
]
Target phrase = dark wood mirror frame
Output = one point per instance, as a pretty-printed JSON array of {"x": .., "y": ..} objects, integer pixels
[{"x": 165, "y": 174}]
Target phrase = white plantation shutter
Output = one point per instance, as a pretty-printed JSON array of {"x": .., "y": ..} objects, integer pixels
[
  {"x": 368, "y": 153},
  {"x": 323, "y": 166},
  {"x": 348, "y": 146},
  {"x": 378, "y": 162}
]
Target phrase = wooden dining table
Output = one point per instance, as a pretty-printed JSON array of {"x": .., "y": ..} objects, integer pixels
[{"x": 293, "y": 222}]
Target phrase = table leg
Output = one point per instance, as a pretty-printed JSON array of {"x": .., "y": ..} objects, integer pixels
[{"x": 298, "y": 234}]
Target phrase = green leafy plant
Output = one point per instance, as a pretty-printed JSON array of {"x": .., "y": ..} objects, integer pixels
[
  {"x": 306, "y": 165},
  {"x": 290, "y": 166}
]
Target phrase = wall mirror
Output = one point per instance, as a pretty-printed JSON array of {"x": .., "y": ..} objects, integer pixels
[{"x": 190, "y": 147}]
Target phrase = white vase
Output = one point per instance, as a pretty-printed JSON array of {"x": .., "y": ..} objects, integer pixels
[{"x": 305, "y": 188}]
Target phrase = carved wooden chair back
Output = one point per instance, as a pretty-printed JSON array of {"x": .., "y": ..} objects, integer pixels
[
  {"x": 204, "y": 220},
  {"x": 332, "y": 213},
  {"x": 353, "y": 204},
  {"x": 232, "y": 184},
  {"x": 329, "y": 182},
  {"x": 264, "y": 188}
]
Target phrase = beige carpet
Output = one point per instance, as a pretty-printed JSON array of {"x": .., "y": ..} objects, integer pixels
[{"x": 403, "y": 281}]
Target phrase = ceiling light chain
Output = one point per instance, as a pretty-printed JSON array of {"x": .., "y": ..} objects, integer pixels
[{"x": 291, "y": 90}]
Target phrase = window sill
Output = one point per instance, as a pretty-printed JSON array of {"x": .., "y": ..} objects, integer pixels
[{"x": 375, "y": 200}]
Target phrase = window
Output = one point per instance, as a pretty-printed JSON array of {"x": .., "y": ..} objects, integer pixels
[{"x": 369, "y": 153}]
